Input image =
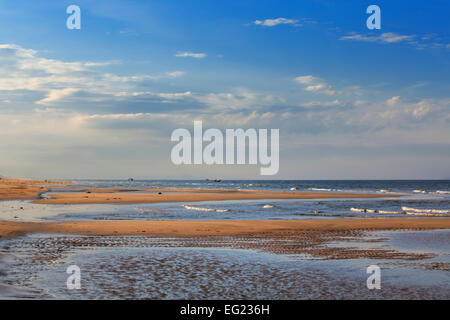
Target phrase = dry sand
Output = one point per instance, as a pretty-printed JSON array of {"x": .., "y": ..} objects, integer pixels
[{"x": 18, "y": 189}]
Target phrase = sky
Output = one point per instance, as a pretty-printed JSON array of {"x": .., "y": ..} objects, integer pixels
[{"x": 102, "y": 101}]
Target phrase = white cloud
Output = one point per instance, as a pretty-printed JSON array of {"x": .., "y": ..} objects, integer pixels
[
  {"x": 175, "y": 95},
  {"x": 191, "y": 54},
  {"x": 322, "y": 104},
  {"x": 175, "y": 74},
  {"x": 275, "y": 22},
  {"x": 240, "y": 99},
  {"x": 420, "y": 42},
  {"x": 387, "y": 37},
  {"x": 314, "y": 84},
  {"x": 57, "y": 95},
  {"x": 393, "y": 101},
  {"x": 56, "y": 80}
]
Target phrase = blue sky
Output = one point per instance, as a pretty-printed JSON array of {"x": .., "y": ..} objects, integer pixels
[{"x": 101, "y": 102}]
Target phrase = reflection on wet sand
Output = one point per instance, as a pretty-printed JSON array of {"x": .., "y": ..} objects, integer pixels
[{"x": 141, "y": 267}]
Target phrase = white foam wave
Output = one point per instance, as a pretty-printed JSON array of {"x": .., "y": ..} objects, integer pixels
[
  {"x": 363, "y": 210},
  {"x": 406, "y": 210},
  {"x": 205, "y": 209},
  {"x": 432, "y": 192},
  {"x": 424, "y": 214},
  {"x": 376, "y": 211},
  {"x": 320, "y": 189},
  {"x": 415, "y": 210},
  {"x": 268, "y": 206}
]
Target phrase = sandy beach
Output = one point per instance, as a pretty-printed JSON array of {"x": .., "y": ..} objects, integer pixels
[
  {"x": 266, "y": 228},
  {"x": 21, "y": 189},
  {"x": 32, "y": 189},
  {"x": 16, "y": 189},
  {"x": 133, "y": 244}
]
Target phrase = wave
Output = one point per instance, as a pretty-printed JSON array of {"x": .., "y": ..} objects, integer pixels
[
  {"x": 293, "y": 189},
  {"x": 268, "y": 206},
  {"x": 205, "y": 209},
  {"x": 432, "y": 192},
  {"x": 321, "y": 189},
  {"x": 364, "y": 210},
  {"x": 408, "y": 209},
  {"x": 442, "y": 192},
  {"x": 425, "y": 214}
]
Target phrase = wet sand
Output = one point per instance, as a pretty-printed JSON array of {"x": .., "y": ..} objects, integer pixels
[
  {"x": 265, "y": 228},
  {"x": 177, "y": 195},
  {"x": 326, "y": 265}
]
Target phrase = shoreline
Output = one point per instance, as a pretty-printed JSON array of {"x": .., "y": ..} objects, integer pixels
[
  {"x": 23, "y": 189},
  {"x": 32, "y": 189},
  {"x": 16, "y": 189}
]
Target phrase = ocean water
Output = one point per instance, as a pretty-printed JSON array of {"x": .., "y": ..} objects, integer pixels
[
  {"x": 419, "y": 198},
  {"x": 400, "y": 186}
]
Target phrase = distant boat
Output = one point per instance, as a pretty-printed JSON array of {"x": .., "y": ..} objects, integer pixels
[
  {"x": 130, "y": 179},
  {"x": 217, "y": 180}
]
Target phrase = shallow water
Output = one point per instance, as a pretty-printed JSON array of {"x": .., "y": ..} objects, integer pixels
[
  {"x": 419, "y": 198},
  {"x": 424, "y": 203},
  {"x": 137, "y": 267},
  {"x": 224, "y": 210}
]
